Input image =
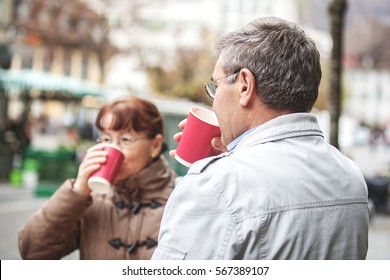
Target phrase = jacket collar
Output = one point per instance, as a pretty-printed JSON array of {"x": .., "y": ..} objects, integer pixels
[
  {"x": 148, "y": 182},
  {"x": 282, "y": 127}
]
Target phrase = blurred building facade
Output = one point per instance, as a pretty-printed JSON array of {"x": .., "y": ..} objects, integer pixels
[
  {"x": 152, "y": 32},
  {"x": 109, "y": 42},
  {"x": 58, "y": 50},
  {"x": 52, "y": 86},
  {"x": 367, "y": 72},
  {"x": 62, "y": 37}
]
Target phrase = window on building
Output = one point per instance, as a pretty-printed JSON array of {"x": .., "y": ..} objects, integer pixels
[
  {"x": 67, "y": 64},
  {"x": 44, "y": 17},
  {"x": 27, "y": 62},
  {"x": 1, "y": 9},
  {"x": 23, "y": 11},
  {"x": 84, "y": 66},
  {"x": 47, "y": 61},
  {"x": 380, "y": 93}
]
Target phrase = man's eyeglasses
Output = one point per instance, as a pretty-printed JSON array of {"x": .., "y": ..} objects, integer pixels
[
  {"x": 122, "y": 141},
  {"x": 211, "y": 87}
]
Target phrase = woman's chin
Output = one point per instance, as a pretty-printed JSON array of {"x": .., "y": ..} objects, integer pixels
[
  {"x": 120, "y": 177},
  {"x": 123, "y": 176}
]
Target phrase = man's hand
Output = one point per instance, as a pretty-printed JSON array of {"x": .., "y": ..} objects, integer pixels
[{"x": 216, "y": 143}]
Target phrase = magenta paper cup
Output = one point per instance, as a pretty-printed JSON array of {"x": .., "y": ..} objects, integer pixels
[
  {"x": 102, "y": 179},
  {"x": 195, "y": 142}
]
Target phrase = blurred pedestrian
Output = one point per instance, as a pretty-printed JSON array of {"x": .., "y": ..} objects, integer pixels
[
  {"x": 124, "y": 223},
  {"x": 281, "y": 191}
]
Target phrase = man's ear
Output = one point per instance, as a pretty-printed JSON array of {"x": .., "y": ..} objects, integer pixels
[{"x": 247, "y": 86}]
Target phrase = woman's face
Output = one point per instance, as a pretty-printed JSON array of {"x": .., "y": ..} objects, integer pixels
[{"x": 139, "y": 151}]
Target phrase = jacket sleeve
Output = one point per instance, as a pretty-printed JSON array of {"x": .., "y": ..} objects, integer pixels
[
  {"x": 197, "y": 223},
  {"x": 53, "y": 231}
]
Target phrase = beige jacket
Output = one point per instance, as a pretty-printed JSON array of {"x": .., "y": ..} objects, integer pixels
[{"x": 123, "y": 224}]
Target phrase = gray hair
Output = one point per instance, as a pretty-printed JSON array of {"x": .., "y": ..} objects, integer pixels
[{"x": 284, "y": 61}]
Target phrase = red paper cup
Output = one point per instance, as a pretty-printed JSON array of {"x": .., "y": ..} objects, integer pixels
[
  {"x": 195, "y": 142},
  {"x": 101, "y": 180}
]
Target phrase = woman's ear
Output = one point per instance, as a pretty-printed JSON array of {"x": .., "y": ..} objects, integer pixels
[
  {"x": 247, "y": 86},
  {"x": 156, "y": 148}
]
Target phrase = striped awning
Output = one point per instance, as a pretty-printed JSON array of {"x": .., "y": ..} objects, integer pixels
[{"x": 27, "y": 79}]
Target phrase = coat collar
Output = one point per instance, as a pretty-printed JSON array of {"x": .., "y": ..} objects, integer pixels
[
  {"x": 282, "y": 127},
  {"x": 148, "y": 183}
]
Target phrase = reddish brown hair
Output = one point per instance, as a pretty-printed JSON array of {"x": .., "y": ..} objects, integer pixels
[{"x": 132, "y": 114}]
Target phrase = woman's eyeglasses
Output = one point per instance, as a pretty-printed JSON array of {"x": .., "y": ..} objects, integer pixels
[{"x": 122, "y": 141}]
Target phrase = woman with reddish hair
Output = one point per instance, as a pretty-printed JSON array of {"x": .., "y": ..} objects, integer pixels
[{"x": 124, "y": 223}]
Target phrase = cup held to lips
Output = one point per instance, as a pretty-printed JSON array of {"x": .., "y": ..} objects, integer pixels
[
  {"x": 101, "y": 180},
  {"x": 195, "y": 142}
]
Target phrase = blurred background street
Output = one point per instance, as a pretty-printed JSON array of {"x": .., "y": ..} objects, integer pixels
[
  {"x": 17, "y": 204},
  {"x": 60, "y": 61}
]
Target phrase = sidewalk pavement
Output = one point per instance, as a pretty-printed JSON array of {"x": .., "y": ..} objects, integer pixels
[{"x": 17, "y": 204}]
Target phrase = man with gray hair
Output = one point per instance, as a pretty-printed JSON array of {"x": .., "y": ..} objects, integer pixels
[{"x": 280, "y": 191}]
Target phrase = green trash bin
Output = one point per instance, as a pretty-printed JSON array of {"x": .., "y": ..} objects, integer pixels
[
  {"x": 15, "y": 177},
  {"x": 30, "y": 173}
]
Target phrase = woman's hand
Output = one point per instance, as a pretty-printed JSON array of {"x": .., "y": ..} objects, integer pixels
[
  {"x": 216, "y": 143},
  {"x": 94, "y": 157}
]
